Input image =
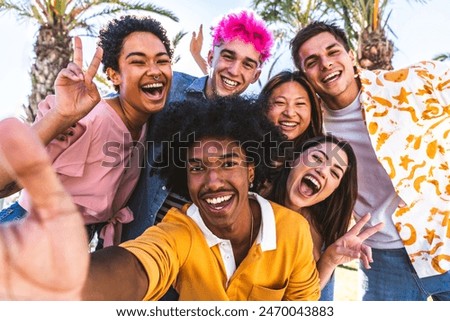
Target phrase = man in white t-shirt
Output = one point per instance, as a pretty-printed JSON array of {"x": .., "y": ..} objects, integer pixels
[{"x": 398, "y": 124}]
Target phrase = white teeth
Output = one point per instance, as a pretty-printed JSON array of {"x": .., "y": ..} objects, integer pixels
[
  {"x": 230, "y": 82},
  {"x": 333, "y": 74},
  {"x": 218, "y": 200},
  {"x": 314, "y": 181},
  {"x": 288, "y": 123},
  {"x": 155, "y": 85}
]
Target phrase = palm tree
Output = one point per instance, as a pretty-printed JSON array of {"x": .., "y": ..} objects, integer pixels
[
  {"x": 375, "y": 50},
  {"x": 365, "y": 23},
  {"x": 366, "y": 30},
  {"x": 57, "y": 20}
]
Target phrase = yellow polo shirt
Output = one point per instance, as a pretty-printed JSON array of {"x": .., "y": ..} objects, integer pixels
[{"x": 279, "y": 266}]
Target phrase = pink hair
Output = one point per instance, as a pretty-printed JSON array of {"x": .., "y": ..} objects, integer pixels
[{"x": 248, "y": 28}]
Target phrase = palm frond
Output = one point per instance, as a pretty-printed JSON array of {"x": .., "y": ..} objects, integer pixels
[
  {"x": 9, "y": 6},
  {"x": 178, "y": 36},
  {"x": 142, "y": 6},
  {"x": 442, "y": 56},
  {"x": 175, "y": 42},
  {"x": 57, "y": 20},
  {"x": 59, "y": 7}
]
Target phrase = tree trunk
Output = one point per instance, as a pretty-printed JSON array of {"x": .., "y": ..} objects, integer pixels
[
  {"x": 53, "y": 49},
  {"x": 375, "y": 50}
]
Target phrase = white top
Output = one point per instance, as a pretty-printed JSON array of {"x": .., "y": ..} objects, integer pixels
[
  {"x": 266, "y": 237},
  {"x": 376, "y": 195}
]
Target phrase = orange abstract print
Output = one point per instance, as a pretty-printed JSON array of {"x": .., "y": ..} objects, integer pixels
[{"x": 407, "y": 114}]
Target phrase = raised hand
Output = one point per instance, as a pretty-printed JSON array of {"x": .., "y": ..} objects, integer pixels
[
  {"x": 197, "y": 42},
  {"x": 76, "y": 93},
  {"x": 350, "y": 246},
  {"x": 44, "y": 257},
  {"x": 196, "y": 48}
]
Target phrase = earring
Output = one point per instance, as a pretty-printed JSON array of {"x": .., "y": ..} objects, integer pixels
[{"x": 251, "y": 185}]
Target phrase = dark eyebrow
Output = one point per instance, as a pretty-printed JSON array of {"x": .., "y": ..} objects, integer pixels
[
  {"x": 230, "y": 155},
  {"x": 334, "y": 44},
  {"x": 228, "y": 51},
  {"x": 327, "y": 158},
  {"x": 141, "y": 54},
  {"x": 233, "y": 53},
  {"x": 224, "y": 156}
]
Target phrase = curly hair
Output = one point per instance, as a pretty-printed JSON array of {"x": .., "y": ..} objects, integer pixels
[
  {"x": 331, "y": 217},
  {"x": 234, "y": 118},
  {"x": 315, "y": 127},
  {"x": 247, "y": 27},
  {"x": 111, "y": 37},
  {"x": 312, "y": 30}
]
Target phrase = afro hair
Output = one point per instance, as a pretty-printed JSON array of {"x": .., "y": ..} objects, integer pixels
[{"x": 235, "y": 118}]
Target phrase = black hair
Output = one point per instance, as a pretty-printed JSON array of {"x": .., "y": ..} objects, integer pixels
[
  {"x": 111, "y": 37},
  {"x": 315, "y": 127},
  {"x": 331, "y": 217},
  {"x": 311, "y": 30},
  {"x": 234, "y": 118}
]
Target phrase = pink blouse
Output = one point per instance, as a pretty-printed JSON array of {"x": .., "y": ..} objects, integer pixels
[{"x": 99, "y": 166}]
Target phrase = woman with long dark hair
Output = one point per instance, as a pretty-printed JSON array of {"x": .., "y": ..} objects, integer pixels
[{"x": 320, "y": 183}]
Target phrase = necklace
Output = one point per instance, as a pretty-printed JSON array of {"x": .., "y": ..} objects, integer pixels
[{"x": 251, "y": 228}]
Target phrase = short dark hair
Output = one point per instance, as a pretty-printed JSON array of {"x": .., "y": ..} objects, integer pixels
[
  {"x": 111, "y": 37},
  {"x": 235, "y": 118},
  {"x": 311, "y": 30},
  {"x": 315, "y": 127},
  {"x": 331, "y": 217}
]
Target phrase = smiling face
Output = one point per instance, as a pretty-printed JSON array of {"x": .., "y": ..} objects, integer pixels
[
  {"x": 315, "y": 175},
  {"x": 290, "y": 109},
  {"x": 330, "y": 69},
  {"x": 234, "y": 66},
  {"x": 145, "y": 73},
  {"x": 218, "y": 179}
]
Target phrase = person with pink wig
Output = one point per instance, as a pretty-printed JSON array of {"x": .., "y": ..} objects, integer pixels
[
  {"x": 244, "y": 25},
  {"x": 236, "y": 29}
]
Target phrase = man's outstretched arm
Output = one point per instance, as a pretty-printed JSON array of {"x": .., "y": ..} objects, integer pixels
[
  {"x": 76, "y": 95},
  {"x": 45, "y": 256}
]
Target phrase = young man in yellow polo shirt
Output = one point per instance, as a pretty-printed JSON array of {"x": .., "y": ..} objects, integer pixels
[{"x": 230, "y": 244}]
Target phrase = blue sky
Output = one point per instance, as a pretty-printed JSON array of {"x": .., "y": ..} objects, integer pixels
[{"x": 422, "y": 32}]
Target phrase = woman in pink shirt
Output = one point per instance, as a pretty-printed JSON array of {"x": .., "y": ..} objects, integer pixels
[{"x": 100, "y": 160}]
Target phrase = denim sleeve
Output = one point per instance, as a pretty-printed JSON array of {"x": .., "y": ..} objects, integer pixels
[
  {"x": 14, "y": 212},
  {"x": 146, "y": 199}
]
